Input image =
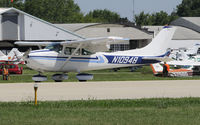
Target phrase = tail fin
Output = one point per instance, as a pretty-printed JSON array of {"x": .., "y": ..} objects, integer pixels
[
  {"x": 13, "y": 54},
  {"x": 156, "y": 68},
  {"x": 1, "y": 53},
  {"x": 161, "y": 43}
]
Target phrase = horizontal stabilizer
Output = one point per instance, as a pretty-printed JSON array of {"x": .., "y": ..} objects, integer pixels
[
  {"x": 162, "y": 59},
  {"x": 184, "y": 63}
]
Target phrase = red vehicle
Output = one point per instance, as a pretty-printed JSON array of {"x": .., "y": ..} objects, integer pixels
[{"x": 12, "y": 68}]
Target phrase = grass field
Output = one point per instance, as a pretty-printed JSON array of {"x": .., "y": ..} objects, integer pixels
[
  {"x": 123, "y": 74},
  {"x": 184, "y": 111}
]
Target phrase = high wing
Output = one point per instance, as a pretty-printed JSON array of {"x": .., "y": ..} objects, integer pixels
[{"x": 98, "y": 40}]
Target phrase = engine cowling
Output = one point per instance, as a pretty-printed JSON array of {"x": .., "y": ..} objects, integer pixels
[
  {"x": 82, "y": 77},
  {"x": 59, "y": 77}
]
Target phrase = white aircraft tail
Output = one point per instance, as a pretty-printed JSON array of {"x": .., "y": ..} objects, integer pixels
[
  {"x": 161, "y": 42},
  {"x": 157, "y": 68},
  {"x": 194, "y": 50},
  {"x": 14, "y": 54},
  {"x": 184, "y": 56},
  {"x": 1, "y": 53}
]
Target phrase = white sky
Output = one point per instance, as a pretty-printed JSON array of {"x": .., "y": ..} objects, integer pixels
[{"x": 125, "y": 7}]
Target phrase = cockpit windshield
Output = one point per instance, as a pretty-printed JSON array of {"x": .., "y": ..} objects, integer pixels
[{"x": 54, "y": 47}]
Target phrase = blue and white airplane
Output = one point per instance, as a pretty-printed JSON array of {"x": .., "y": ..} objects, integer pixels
[{"x": 64, "y": 57}]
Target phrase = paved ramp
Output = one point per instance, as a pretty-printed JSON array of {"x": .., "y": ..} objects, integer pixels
[{"x": 100, "y": 90}]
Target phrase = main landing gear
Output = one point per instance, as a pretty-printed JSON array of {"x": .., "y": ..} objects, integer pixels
[{"x": 83, "y": 77}]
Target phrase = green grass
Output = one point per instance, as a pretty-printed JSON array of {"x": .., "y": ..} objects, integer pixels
[
  {"x": 123, "y": 74},
  {"x": 184, "y": 111}
]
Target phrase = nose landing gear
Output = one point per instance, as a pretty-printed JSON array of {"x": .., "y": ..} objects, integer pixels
[{"x": 39, "y": 78}]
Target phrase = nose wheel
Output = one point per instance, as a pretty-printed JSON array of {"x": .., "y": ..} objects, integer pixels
[{"x": 39, "y": 78}]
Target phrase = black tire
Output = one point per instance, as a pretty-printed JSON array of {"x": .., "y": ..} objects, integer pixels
[
  {"x": 82, "y": 80},
  {"x": 58, "y": 80}
]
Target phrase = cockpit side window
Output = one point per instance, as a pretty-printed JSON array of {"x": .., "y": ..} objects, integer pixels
[
  {"x": 55, "y": 47},
  {"x": 70, "y": 50}
]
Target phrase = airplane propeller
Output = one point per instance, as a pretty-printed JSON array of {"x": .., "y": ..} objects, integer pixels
[{"x": 25, "y": 56}]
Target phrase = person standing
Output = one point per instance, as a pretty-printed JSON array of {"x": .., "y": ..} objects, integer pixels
[
  {"x": 5, "y": 73},
  {"x": 166, "y": 69}
]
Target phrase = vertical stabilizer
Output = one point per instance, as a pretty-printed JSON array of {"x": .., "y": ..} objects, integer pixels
[
  {"x": 161, "y": 42},
  {"x": 158, "y": 46},
  {"x": 1, "y": 53}
]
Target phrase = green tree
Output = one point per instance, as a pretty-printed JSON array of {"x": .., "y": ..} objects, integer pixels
[
  {"x": 143, "y": 19},
  {"x": 189, "y": 8},
  {"x": 7, "y": 3},
  {"x": 159, "y": 18},
  {"x": 102, "y": 16},
  {"x": 63, "y": 11},
  {"x": 55, "y": 11}
]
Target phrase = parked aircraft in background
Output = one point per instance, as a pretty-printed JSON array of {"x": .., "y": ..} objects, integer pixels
[
  {"x": 13, "y": 56},
  {"x": 182, "y": 54},
  {"x": 158, "y": 71},
  {"x": 71, "y": 56},
  {"x": 186, "y": 58}
]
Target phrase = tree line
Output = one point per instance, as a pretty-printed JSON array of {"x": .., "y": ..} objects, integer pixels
[
  {"x": 62, "y": 11},
  {"x": 188, "y": 8},
  {"x": 67, "y": 11}
]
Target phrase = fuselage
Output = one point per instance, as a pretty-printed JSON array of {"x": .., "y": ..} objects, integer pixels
[{"x": 47, "y": 60}]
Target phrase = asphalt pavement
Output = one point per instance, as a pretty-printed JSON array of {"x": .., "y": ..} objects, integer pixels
[{"x": 16, "y": 92}]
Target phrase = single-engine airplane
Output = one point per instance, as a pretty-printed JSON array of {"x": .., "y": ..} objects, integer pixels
[{"x": 70, "y": 56}]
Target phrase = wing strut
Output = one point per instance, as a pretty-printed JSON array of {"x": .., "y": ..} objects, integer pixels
[{"x": 79, "y": 46}]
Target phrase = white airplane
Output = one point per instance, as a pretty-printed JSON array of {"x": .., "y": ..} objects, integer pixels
[
  {"x": 189, "y": 59},
  {"x": 183, "y": 54},
  {"x": 13, "y": 56},
  {"x": 63, "y": 57}
]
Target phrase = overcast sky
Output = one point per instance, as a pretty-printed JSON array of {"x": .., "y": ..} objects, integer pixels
[{"x": 125, "y": 7}]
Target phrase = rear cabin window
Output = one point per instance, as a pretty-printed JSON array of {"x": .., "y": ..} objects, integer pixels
[{"x": 70, "y": 50}]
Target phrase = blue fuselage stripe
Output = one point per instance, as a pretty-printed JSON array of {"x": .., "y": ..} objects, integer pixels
[
  {"x": 73, "y": 59},
  {"x": 57, "y": 57}
]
